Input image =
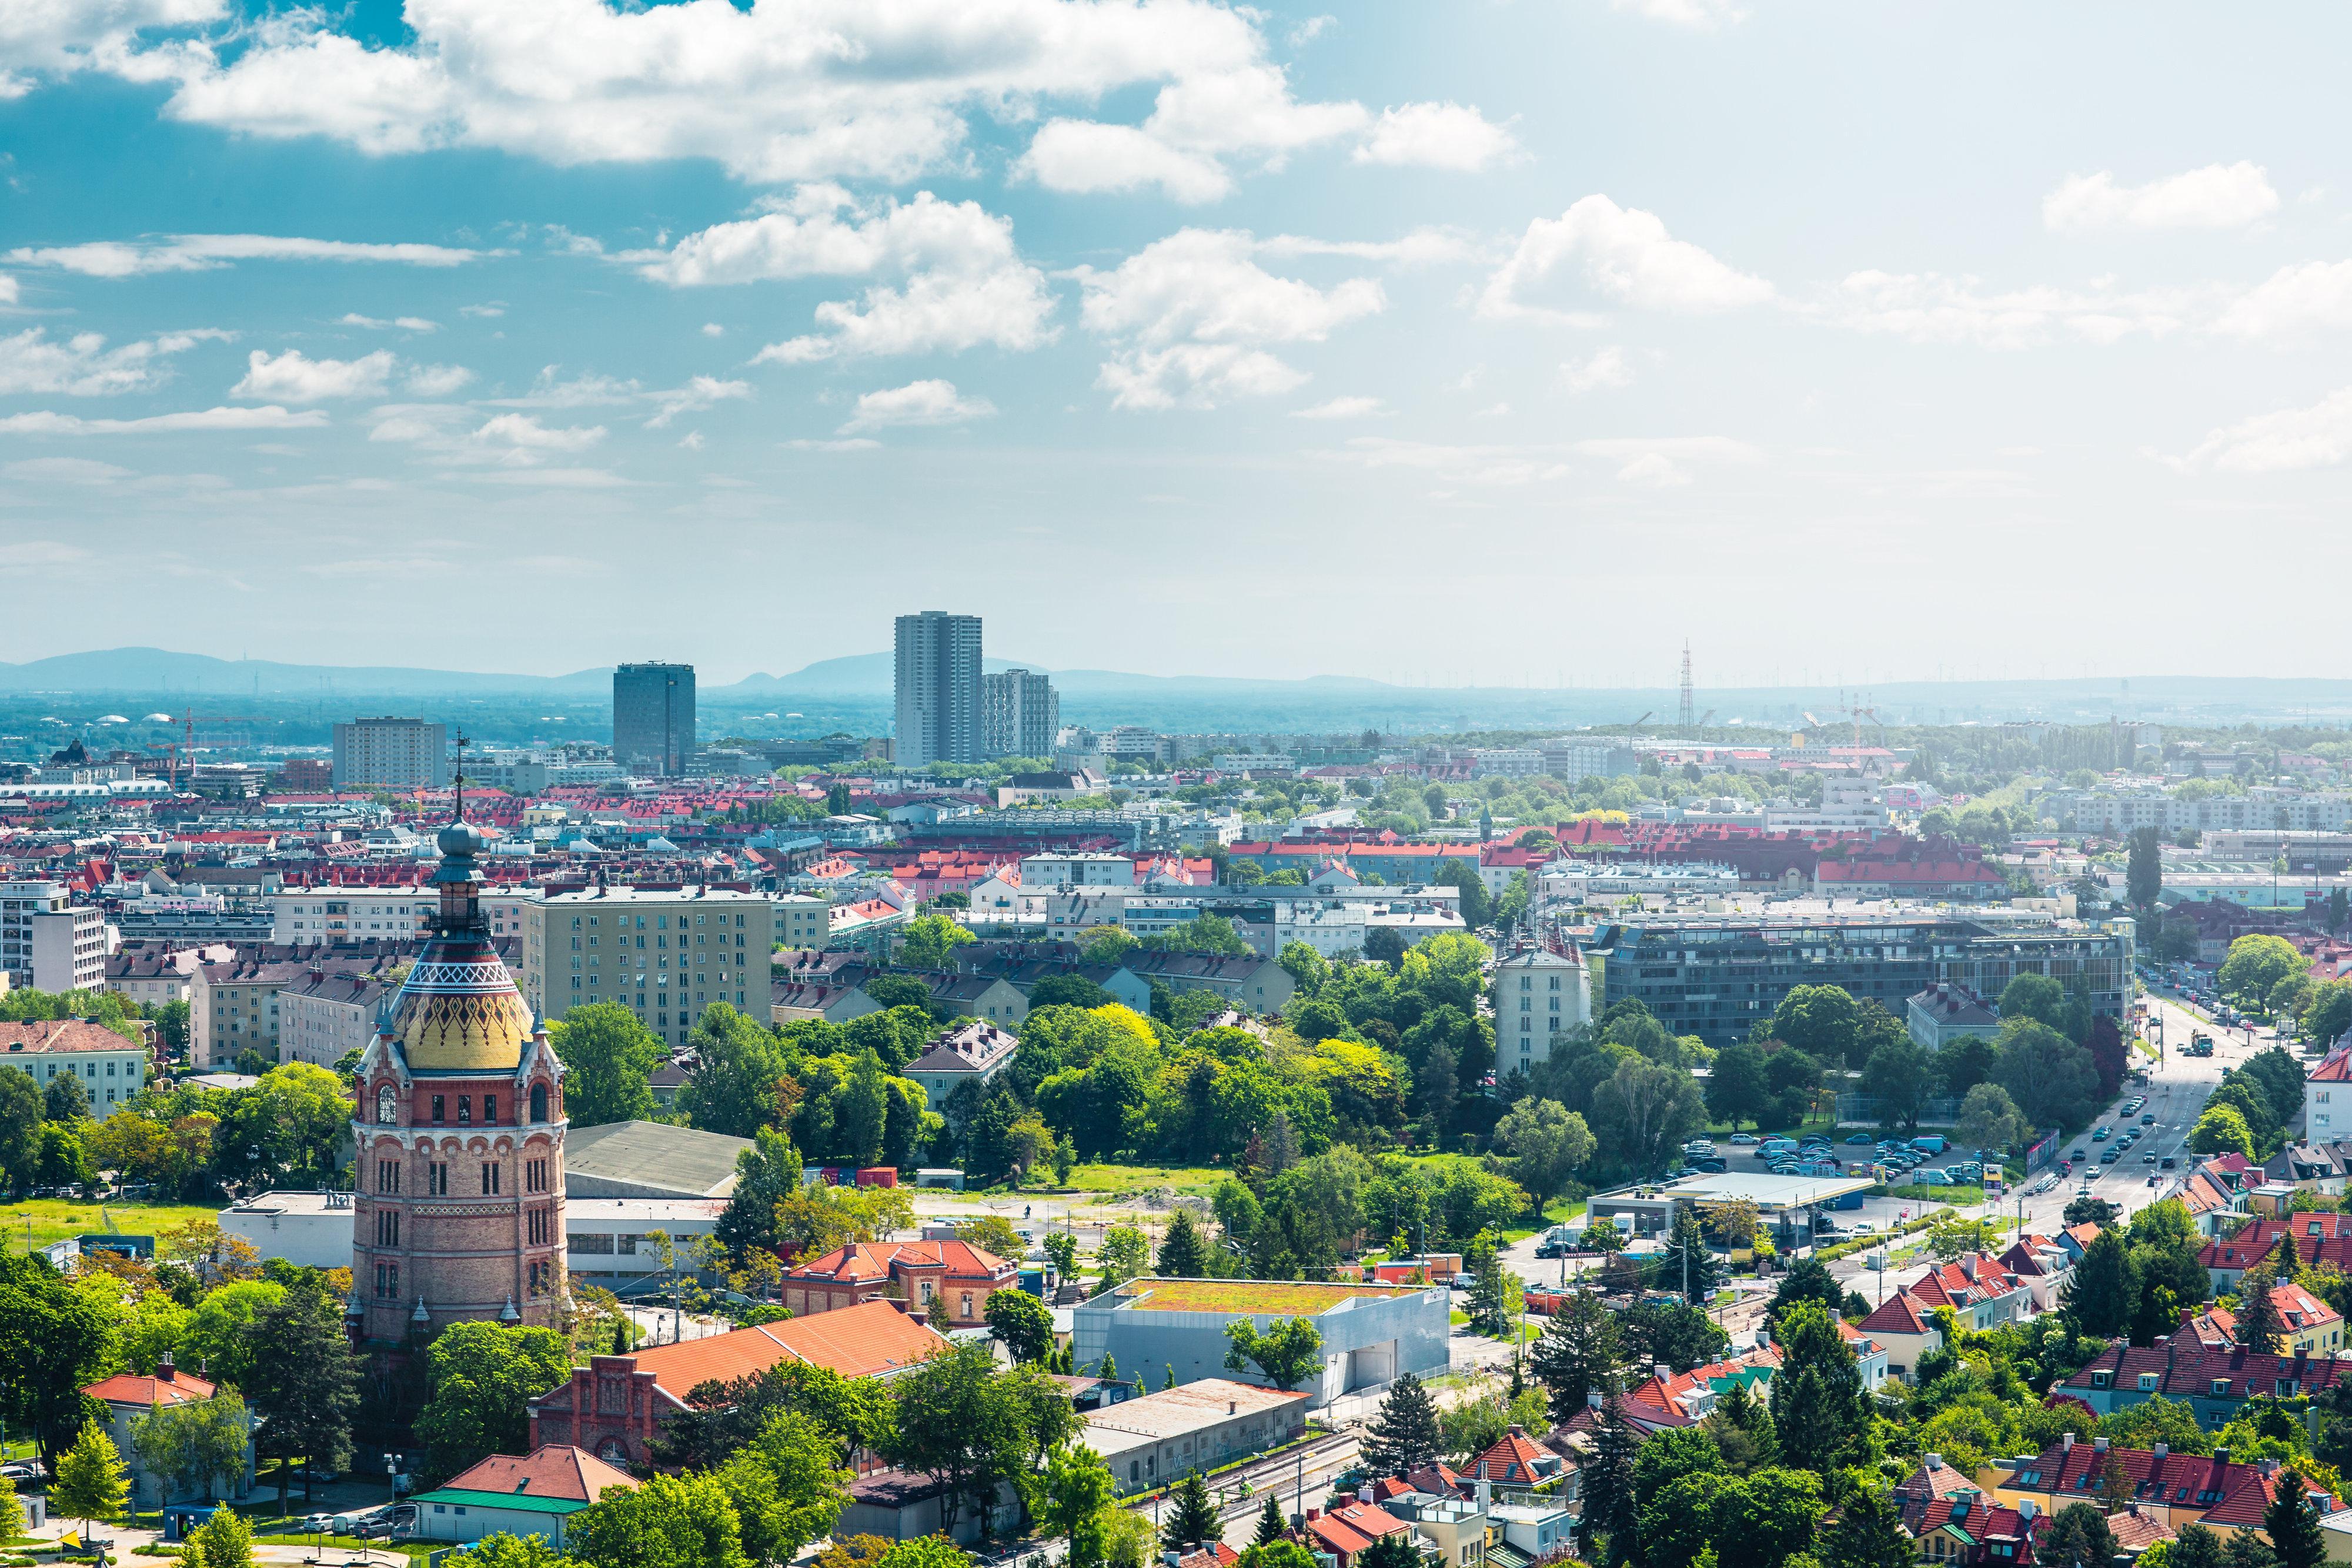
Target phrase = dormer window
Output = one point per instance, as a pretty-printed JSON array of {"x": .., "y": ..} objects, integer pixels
[
  {"x": 2148, "y": 1380},
  {"x": 2220, "y": 1389},
  {"x": 2102, "y": 1379}
]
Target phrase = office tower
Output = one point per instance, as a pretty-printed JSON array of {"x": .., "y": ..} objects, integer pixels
[
  {"x": 391, "y": 754},
  {"x": 939, "y": 689},
  {"x": 1021, "y": 714},
  {"x": 653, "y": 719}
]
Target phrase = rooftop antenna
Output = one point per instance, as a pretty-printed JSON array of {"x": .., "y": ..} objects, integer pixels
[{"x": 461, "y": 743}]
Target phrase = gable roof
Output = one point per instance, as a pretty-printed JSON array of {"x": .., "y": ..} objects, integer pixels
[
  {"x": 1515, "y": 1458},
  {"x": 862, "y": 1262},
  {"x": 868, "y": 1340},
  {"x": 2184, "y": 1368},
  {"x": 1900, "y": 1313},
  {"x": 146, "y": 1392},
  {"x": 553, "y": 1470},
  {"x": 1683, "y": 1391},
  {"x": 2170, "y": 1480},
  {"x": 1972, "y": 1279}
]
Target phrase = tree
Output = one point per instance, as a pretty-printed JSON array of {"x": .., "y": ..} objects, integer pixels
[
  {"x": 1808, "y": 1280},
  {"x": 2101, "y": 1295},
  {"x": 305, "y": 1382},
  {"x": 2221, "y": 1130},
  {"x": 483, "y": 1378},
  {"x": 608, "y": 1058},
  {"x": 2329, "y": 1011},
  {"x": 1989, "y": 1119},
  {"x": 1902, "y": 1077},
  {"x": 1642, "y": 1113},
  {"x": 90, "y": 1484},
  {"x": 1193, "y": 1517},
  {"x": 2257, "y": 962},
  {"x": 1822, "y": 1021},
  {"x": 1735, "y": 1091},
  {"x": 765, "y": 1175},
  {"x": 2144, "y": 872},
  {"x": 1868, "y": 1533},
  {"x": 1965, "y": 1064},
  {"x": 20, "y": 1126},
  {"x": 1687, "y": 1267},
  {"x": 1125, "y": 1253},
  {"x": 220, "y": 1333},
  {"x": 960, "y": 1419},
  {"x": 1821, "y": 1413},
  {"x": 1496, "y": 1297},
  {"x": 1404, "y": 1435},
  {"x": 2087, "y": 1210},
  {"x": 738, "y": 1069},
  {"x": 1022, "y": 1323},
  {"x": 2261, "y": 1327},
  {"x": 1394, "y": 1549},
  {"x": 2036, "y": 996},
  {"x": 1608, "y": 1481},
  {"x": 1287, "y": 1355},
  {"x": 2078, "y": 1534},
  {"x": 223, "y": 1541},
  {"x": 1579, "y": 1353},
  {"x": 53, "y": 1340},
  {"x": 1184, "y": 1252},
  {"x": 2293, "y": 1525},
  {"x": 1549, "y": 1143},
  {"x": 2109, "y": 1056},
  {"x": 2050, "y": 1078},
  {"x": 65, "y": 1100},
  {"x": 785, "y": 1486},
  {"x": 1068, "y": 1498},
  {"x": 1741, "y": 1427},
  {"x": 1270, "y": 1523},
  {"x": 930, "y": 942},
  {"x": 190, "y": 1445},
  {"x": 667, "y": 1521}
]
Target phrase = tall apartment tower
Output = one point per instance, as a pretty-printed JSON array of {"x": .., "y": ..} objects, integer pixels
[
  {"x": 391, "y": 754},
  {"x": 939, "y": 689},
  {"x": 1019, "y": 713},
  {"x": 653, "y": 719}
]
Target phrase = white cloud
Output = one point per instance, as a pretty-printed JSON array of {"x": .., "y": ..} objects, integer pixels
[
  {"x": 1424, "y": 246},
  {"x": 948, "y": 276},
  {"x": 1193, "y": 313},
  {"x": 202, "y": 253},
  {"x": 1928, "y": 308},
  {"x": 698, "y": 393},
  {"x": 437, "y": 380},
  {"x": 554, "y": 478},
  {"x": 42, "y": 553},
  {"x": 691, "y": 441},
  {"x": 917, "y": 403},
  {"x": 524, "y": 432},
  {"x": 1623, "y": 254},
  {"x": 1343, "y": 408},
  {"x": 7, "y": 290},
  {"x": 377, "y": 324},
  {"x": 2319, "y": 436},
  {"x": 713, "y": 329},
  {"x": 2217, "y": 196},
  {"x": 294, "y": 376},
  {"x": 1312, "y": 28},
  {"x": 1196, "y": 122},
  {"x": 1437, "y": 136},
  {"x": 1699, "y": 16},
  {"x": 65, "y": 471},
  {"x": 83, "y": 366},
  {"x": 1087, "y": 157},
  {"x": 491, "y": 310},
  {"x": 270, "y": 418},
  {"x": 854, "y": 444},
  {"x": 550, "y": 390},
  {"x": 1605, "y": 366},
  {"x": 59, "y": 37},
  {"x": 1664, "y": 462},
  {"x": 2312, "y": 296}
]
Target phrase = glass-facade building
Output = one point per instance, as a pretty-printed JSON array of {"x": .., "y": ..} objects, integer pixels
[{"x": 653, "y": 719}]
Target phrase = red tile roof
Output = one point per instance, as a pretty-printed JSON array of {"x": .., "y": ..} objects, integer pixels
[
  {"x": 1673, "y": 1391},
  {"x": 2184, "y": 1368},
  {"x": 1515, "y": 1458},
  {"x": 864, "y": 1262},
  {"x": 863, "y": 1340},
  {"x": 46, "y": 1035},
  {"x": 550, "y": 1470},
  {"x": 1972, "y": 1279},
  {"x": 1353, "y": 1526},
  {"x": 137, "y": 1388},
  {"x": 1900, "y": 1313},
  {"x": 2174, "y": 1480},
  {"x": 2336, "y": 1069}
]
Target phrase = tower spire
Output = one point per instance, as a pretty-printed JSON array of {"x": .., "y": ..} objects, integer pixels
[{"x": 461, "y": 743}]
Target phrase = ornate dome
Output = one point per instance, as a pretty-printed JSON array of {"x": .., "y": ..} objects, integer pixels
[{"x": 459, "y": 1010}]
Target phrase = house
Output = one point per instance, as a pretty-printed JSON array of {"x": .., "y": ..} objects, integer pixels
[
  {"x": 130, "y": 1395},
  {"x": 111, "y": 1067},
  {"x": 950, "y": 1281},
  {"x": 536, "y": 1494},
  {"x": 1944, "y": 1012},
  {"x": 1531, "y": 1530},
  {"x": 614, "y": 1406},
  {"x": 2312, "y": 1327},
  {"x": 1255, "y": 982},
  {"x": 1931, "y": 1482},
  {"x": 908, "y": 1505},
  {"x": 1349, "y": 1531},
  {"x": 1202, "y": 1425},
  {"x": 1964, "y": 1527},
  {"x": 2216, "y": 1492},
  {"x": 1514, "y": 1460},
  {"x": 2210, "y": 1196},
  {"x": 1869, "y": 1357},
  {"x": 2314, "y": 1167},
  {"x": 2318, "y": 1238},
  {"x": 1980, "y": 1292},
  {"x": 2214, "y": 1380},
  {"x": 987, "y": 997},
  {"x": 2043, "y": 1267},
  {"x": 2324, "y": 1120},
  {"x": 2077, "y": 1239},
  {"x": 831, "y": 1001},
  {"x": 1901, "y": 1324},
  {"x": 1694, "y": 1393},
  {"x": 969, "y": 1053}
]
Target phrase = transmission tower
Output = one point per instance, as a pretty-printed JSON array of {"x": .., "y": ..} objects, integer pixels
[{"x": 1690, "y": 708}]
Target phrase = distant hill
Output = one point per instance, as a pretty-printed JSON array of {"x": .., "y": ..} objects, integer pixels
[{"x": 154, "y": 670}]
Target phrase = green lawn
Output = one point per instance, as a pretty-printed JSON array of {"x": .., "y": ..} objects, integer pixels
[
  {"x": 1109, "y": 1179},
  {"x": 39, "y": 1221}
]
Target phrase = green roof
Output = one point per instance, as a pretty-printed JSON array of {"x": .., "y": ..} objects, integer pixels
[{"x": 522, "y": 1501}]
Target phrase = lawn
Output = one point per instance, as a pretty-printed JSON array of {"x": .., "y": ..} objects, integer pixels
[
  {"x": 1285, "y": 1298},
  {"x": 39, "y": 1221},
  {"x": 1107, "y": 1179}
]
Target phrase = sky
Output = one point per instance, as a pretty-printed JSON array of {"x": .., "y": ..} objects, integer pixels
[{"x": 1508, "y": 342}]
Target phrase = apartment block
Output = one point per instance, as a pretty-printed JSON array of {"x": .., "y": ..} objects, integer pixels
[
  {"x": 938, "y": 688},
  {"x": 653, "y": 719},
  {"x": 391, "y": 754},
  {"x": 47, "y": 942},
  {"x": 664, "y": 952},
  {"x": 1021, "y": 714}
]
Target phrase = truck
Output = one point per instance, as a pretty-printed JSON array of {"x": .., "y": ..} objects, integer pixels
[
  {"x": 2201, "y": 1044},
  {"x": 1933, "y": 1143}
]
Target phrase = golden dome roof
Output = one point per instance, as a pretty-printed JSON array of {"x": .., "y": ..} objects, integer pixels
[{"x": 460, "y": 1011}]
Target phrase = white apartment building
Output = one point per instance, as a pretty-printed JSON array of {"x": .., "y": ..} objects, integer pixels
[
  {"x": 48, "y": 943},
  {"x": 391, "y": 754},
  {"x": 153, "y": 973},
  {"x": 1507, "y": 764},
  {"x": 664, "y": 952},
  {"x": 1569, "y": 758},
  {"x": 308, "y": 916},
  {"x": 1255, "y": 762},
  {"x": 111, "y": 1067},
  {"x": 322, "y": 1017},
  {"x": 1075, "y": 869},
  {"x": 800, "y": 920},
  {"x": 1540, "y": 993},
  {"x": 1849, "y": 808},
  {"x": 2121, "y": 812}
]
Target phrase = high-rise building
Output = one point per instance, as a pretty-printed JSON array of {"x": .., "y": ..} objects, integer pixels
[
  {"x": 664, "y": 952},
  {"x": 939, "y": 689},
  {"x": 1019, "y": 713},
  {"x": 391, "y": 754},
  {"x": 47, "y": 942},
  {"x": 653, "y": 719}
]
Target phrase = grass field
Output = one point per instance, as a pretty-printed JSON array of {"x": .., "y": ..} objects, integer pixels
[
  {"x": 1109, "y": 1180},
  {"x": 39, "y": 1221}
]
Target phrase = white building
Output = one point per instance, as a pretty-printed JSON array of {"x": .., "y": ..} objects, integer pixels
[
  {"x": 111, "y": 1067},
  {"x": 1540, "y": 993},
  {"x": 1573, "y": 758},
  {"x": 323, "y": 1016},
  {"x": 309, "y": 917},
  {"x": 1846, "y": 807},
  {"x": 2332, "y": 1077},
  {"x": 48, "y": 943},
  {"x": 972, "y": 1054},
  {"x": 1077, "y": 869},
  {"x": 391, "y": 754},
  {"x": 1507, "y": 764}
]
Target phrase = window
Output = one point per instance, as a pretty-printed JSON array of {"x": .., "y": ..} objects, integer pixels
[
  {"x": 538, "y": 1102},
  {"x": 534, "y": 1175},
  {"x": 491, "y": 1110},
  {"x": 387, "y": 1280},
  {"x": 537, "y": 1228},
  {"x": 437, "y": 1109},
  {"x": 464, "y": 1110},
  {"x": 387, "y": 1175},
  {"x": 387, "y": 1228},
  {"x": 490, "y": 1180},
  {"x": 436, "y": 1180}
]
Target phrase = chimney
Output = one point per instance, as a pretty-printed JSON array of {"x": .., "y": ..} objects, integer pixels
[
  {"x": 1935, "y": 1461},
  {"x": 2220, "y": 1457},
  {"x": 2065, "y": 1442},
  {"x": 2098, "y": 1445},
  {"x": 2025, "y": 1509},
  {"x": 1313, "y": 1514},
  {"x": 2162, "y": 1449},
  {"x": 164, "y": 1370},
  {"x": 1969, "y": 1264},
  {"x": 1233, "y": 1406},
  {"x": 1364, "y": 1494}
]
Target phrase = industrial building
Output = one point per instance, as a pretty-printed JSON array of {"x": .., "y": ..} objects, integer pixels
[{"x": 1153, "y": 1329}]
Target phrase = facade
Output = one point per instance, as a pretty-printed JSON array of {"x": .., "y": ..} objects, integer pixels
[
  {"x": 112, "y": 1069},
  {"x": 653, "y": 719},
  {"x": 46, "y": 942},
  {"x": 1540, "y": 993},
  {"x": 664, "y": 952},
  {"x": 1941, "y": 1014},
  {"x": 459, "y": 1134},
  {"x": 617, "y": 1241},
  {"x": 2324, "y": 1120},
  {"x": 533, "y": 1495},
  {"x": 949, "y": 1282},
  {"x": 1716, "y": 976},
  {"x": 391, "y": 754},
  {"x": 2215, "y": 1381},
  {"x": 326, "y": 1015},
  {"x": 2223, "y": 1495},
  {"x": 1201, "y": 1426},
  {"x": 1019, "y": 713},
  {"x": 937, "y": 677},
  {"x": 798, "y": 920},
  {"x": 233, "y": 1005},
  {"x": 974, "y": 1053},
  {"x": 128, "y": 1396},
  {"x": 153, "y": 973},
  {"x": 1571, "y": 758},
  {"x": 1155, "y": 1327}
]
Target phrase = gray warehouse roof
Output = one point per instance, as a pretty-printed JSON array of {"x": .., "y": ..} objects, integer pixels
[{"x": 649, "y": 1159}]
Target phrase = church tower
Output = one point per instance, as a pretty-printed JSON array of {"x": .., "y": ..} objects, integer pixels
[{"x": 459, "y": 1127}]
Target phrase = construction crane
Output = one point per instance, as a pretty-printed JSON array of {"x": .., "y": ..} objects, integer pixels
[{"x": 186, "y": 746}]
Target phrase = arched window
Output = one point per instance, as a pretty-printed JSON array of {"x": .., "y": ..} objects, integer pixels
[
  {"x": 387, "y": 1105},
  {"x": 538, "y": 1102}
]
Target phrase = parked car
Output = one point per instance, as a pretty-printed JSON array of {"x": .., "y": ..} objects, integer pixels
[
  {"x": 1743, "y": 1138},
  {"x": 1861, "y": 1139}
]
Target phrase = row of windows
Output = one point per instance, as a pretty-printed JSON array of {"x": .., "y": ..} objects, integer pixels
[
  {"x": 661, "y": 922},
  {"x": 387, "y": 1107},
  {"x": 702, "y": 939}
]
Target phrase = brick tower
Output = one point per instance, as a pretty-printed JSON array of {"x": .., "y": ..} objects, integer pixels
[{"x": 459, "y": 1129}]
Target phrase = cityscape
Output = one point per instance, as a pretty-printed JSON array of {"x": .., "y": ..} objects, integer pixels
[{"x": 1162, "y": 784}]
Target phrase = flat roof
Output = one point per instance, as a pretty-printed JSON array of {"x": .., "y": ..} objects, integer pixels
[
  {"x": 1765, "y": 1190},
  {"x": 1174, "y": 1412},
  {"x": 652, "y": 1157},
  {"x": 1286, "y": 1297}
]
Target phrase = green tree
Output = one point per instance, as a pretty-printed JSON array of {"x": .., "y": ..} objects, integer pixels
[
  {"x": 960, "y": 1419},
  {"x": 2144, "y": 872},
  {"x": 1549, "y": 1143},
  {"x": 786, "y": 1489},
  {"x": 1287, "y": 1355},
  {"x": 1308, "y": 968},
  {"x": 2257, "y": 963},
  {"x": 930, "y": 942},
  {"x": 65, "y": 1100},
  {"x": 1068, "y": 1498},
  {"x": 1688, "y": 1266},
  {"x": 2101, "y": 1295},
  {"x": 1496, "y": 1297},
  {"x": 1579, "y": 1353},
  {"x": 192, "y": 1445},
  {"x": 171, "y": 1027},
  {"x": 2221, "y": 1130},
  {"x": 1821, "y": 1413},
  {"x": 1822, "y": 1021},
  {"x": 2261, "y": 1327},
  {"x": 2327, "y": 1012},
  {"x": 1608, "y": 1480},
  {"x": 1193, "y": 1517},
  {"x": 305, "y": 1382},
  {"x": 1022, "y": 1323},
  {"x": 765, "y": 1175},
  {"x": 21, "y": 1109},
  {"x": 1989, "y": 1119},
  {"x": 1271, "y": 1525},
  {"x": 2156, "y": 1419},
  {"x": 91, "y": 1483},
  {"x": 1741, "y": 1427},
  {"x": 483, "y": 1378},
  {"x": 1404, "y": 1435},
  {"x": 53, "y": 1339},
  {"x": 1184, "y": 1252},
  {"x": 2293, "y": 1525},
  {"x": 1965, "y": 1064},
  {"x": 739, "y": 1068},
  {"x": 2051, "y": 1079},
  {"x": 1394, "y": 1549},
  {"x": 1643, "y": 1112},
  {"x": 1125, "y": 1253},
  {"x": 223, "y": 1541},
  {"x": 608, "y": 1058},
  {"x": 1736, "y": 1091},
  {"x": 666, "y": 1521},
  {"x": 2078, "y": 1534},
  {"x": 1902, "y": 1077}
]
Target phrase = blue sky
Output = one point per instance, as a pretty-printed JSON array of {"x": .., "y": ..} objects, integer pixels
[{"x": 1508, "y": 342}]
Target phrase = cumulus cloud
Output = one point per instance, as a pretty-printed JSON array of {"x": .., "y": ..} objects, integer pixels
[
  {"x": 1621, "y": 254},
  {"x": 7, "y": 290},
  {"x": 697, "y": 395},
  {"x": 1196, "y": 122},
  {"x": 1191, "y": 316},
  {"x": 1606, "y": 367},
  {"x": 377, "y": 324},
  {"x": 294, "y": 376},
  {"x": 2319, "y": 436},
  {"x": 202, "y": 253},
  {"x": 1437, "y": 136},
  {"x": 2312, "y": 296},
  {"x": 48, "y": 422},
  {"x": 550, "y": 389},
  {"x": 917, "y": 403},
  {"x": 524, "y": 432},
  {"x": 437, "y": 380},
  {"x": 60, "y": 37},
  {"x": 1343, "y": 408},
  {"x": 947, "y": 275},
  {"x": 83, "y": 366},
  {"x": 2218, "y": 197}
]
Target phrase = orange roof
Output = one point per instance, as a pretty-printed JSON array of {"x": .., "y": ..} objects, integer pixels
[
  {"x": 554, "y": 1470},
  {"x": 135, "y": 1388},
  {"x": 863, "y": 1261},
  {"x": 863, "y": 1340}
]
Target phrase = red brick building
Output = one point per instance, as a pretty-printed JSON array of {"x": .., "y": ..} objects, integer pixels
[{"x": 949, "y": 1281}]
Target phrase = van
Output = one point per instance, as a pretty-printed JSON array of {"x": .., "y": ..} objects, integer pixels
[{"x": 1931, "y": 1142}]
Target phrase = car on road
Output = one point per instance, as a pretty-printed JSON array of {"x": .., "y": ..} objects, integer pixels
[
  {"x": 2167, "y": 1163},
  {"x": 2103, "y": 1134},
  {"x": 2148, "y": 1120},
  {"x": 2111, "y": 1156}
]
